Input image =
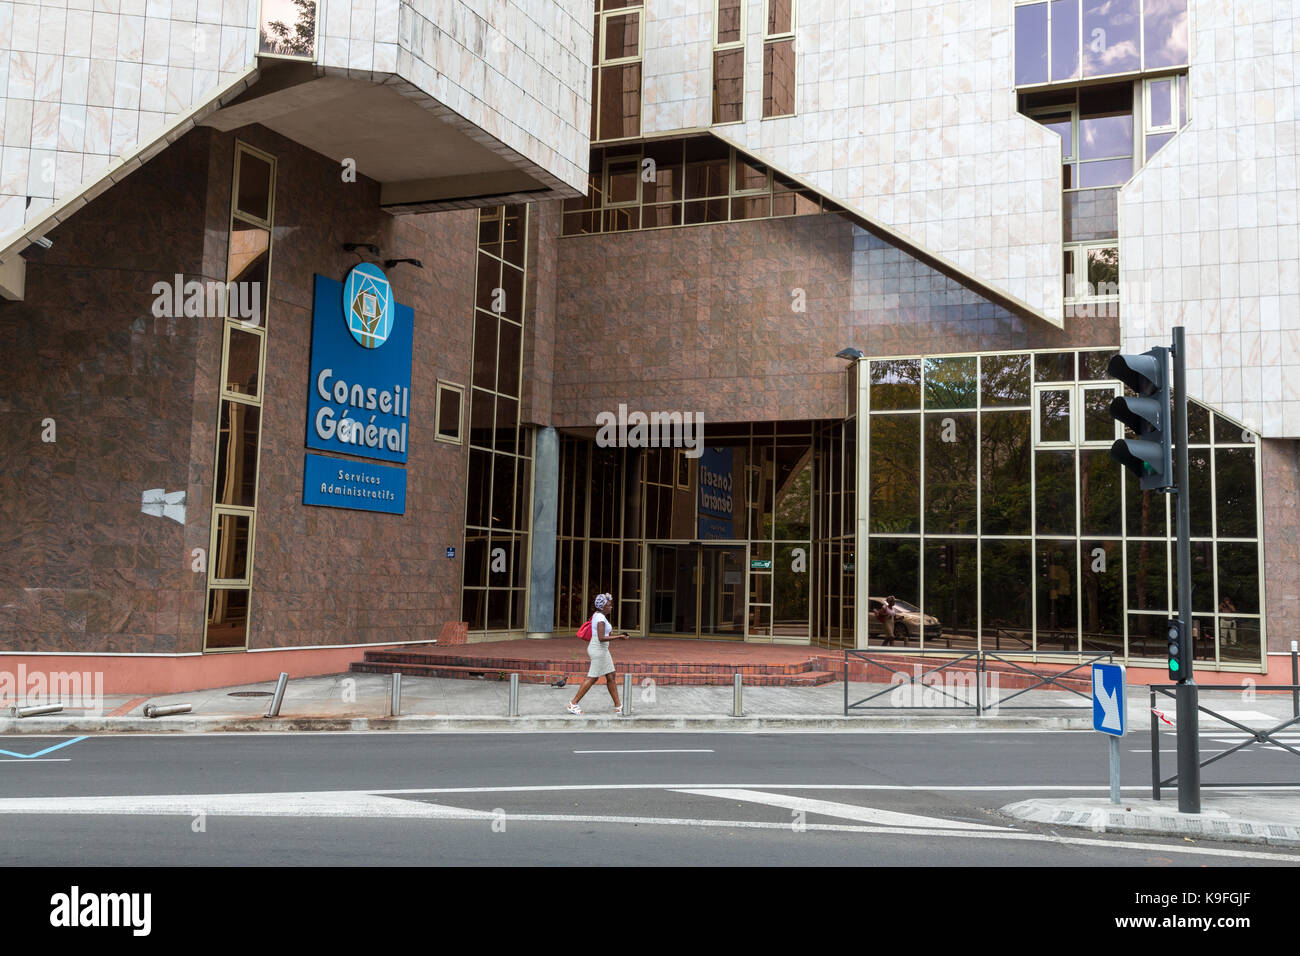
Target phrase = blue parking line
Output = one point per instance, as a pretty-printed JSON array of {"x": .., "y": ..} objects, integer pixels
[{"x": 42, "y": 753}]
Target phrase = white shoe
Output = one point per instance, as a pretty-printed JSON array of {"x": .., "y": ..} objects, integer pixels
[
  {"x": 618, "y": 711},
  {"x": 575, "y": 709}
]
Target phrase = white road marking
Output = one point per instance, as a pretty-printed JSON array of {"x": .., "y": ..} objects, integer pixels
[
  {"x": 367, "y": 805},
  {"x": 845, "y": 811},
  {"x": 35, "y": 759},
  {"x": 643, "y": 751}
]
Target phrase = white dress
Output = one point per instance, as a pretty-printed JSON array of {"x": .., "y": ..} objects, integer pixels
[{"x": 601, "y": 661}]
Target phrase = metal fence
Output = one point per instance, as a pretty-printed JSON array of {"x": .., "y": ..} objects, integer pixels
[
  {"x": 1256, "y": 736},
  {"x": 952, "y": 689}
]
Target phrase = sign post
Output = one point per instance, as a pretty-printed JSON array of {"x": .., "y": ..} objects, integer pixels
[{"x": 1110, "y": 713}]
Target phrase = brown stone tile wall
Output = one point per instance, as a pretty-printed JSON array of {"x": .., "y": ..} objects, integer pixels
[
  {"x": 539, "y": 322},
  {"x": 329, "y": 575},
  {"x": 1280, "y": 467},
  {"x": 700, "y": 318},
  {"x": 81, "y": 568},
  {"x": 135, "y": 399}
]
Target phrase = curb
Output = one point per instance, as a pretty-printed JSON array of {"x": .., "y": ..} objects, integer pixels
[
  {"x": 441, "y": 724},
  {"x": 1137, "y": 818}
]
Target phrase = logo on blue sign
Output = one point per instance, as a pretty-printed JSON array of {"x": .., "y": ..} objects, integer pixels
[
  {"x": 368, "y": 305},
  {"x": 359, "y": 395}
]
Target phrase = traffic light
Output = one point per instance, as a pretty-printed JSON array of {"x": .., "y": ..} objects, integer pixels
[
  {"x": 1180, "y": 651},
  {"x": 1150, "y": 455}
]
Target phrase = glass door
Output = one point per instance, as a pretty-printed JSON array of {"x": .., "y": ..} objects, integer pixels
[{"x": 698, "y": 591}]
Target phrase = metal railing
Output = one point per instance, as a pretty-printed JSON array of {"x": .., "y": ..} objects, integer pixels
[
  {"x": 915, "y": 677},
  {"x": 1256, "y": 736},
  {"x": 951, "y": 691},
  {"x": 1046, "y": 680}
]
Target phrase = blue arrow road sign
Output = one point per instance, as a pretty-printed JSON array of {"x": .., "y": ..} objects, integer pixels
[{"x": 1109, "y": 712}]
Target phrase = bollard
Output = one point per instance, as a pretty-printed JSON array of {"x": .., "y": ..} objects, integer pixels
[
  {"x": 37, "y": 710},
  {"x": 274, "y": 709},
  {"x": 166, "y": 710},
  {"x": 1295, "y": 681},
  {"x": 627, "y": 694},
  {"x": 395, "y": 703},
  {"x": 737, "y": 708},
  {"x": 514, "y": 695}
]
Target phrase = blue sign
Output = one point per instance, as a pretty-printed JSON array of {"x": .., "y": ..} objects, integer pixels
[
  {"x": 716, "y": 481},
  {"x": 451, "y": 552},
  {"x": 359, "y": 392},
  {"x": 359, "y": 485},
  {"x": 1109, "y": 707}
]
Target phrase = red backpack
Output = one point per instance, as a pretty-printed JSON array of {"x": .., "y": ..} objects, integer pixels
[{"x": 584, "y": 632}]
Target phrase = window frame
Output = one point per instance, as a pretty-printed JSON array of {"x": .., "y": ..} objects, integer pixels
[
  {"x": 1079, "y": 76},
  {"x": 729, "y": 46},
  {"x": 442, "y": 386},
  {"x": 1080, "y": 253},
  {"x": 601, "y": 63},
  {"x": 772, "y": 38}
]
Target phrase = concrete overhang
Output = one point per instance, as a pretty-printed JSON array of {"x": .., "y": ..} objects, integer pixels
[{"x": 424, "y": 155}]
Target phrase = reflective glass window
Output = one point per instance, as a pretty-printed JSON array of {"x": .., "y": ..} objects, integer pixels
[
  {"x": 237, "y": 444},
  {"x": 1005, "y": 450},
  {"x": 1004, "y": 380},
  {"x": 950, "y": 383},
  {"x": 1031, "y": 43},
  {"x": 950, "y": 470},
  {"x": 1006, "y": 595},
  {"x": 1148, "y": 576},
  {"x": 1234, "y": 474},
  {"x": 1054, "y": 485},
  {"x": 1099, "y": 493},
  {"x": 897, "y": 384},
  {"x": 1165, "y": 33},
  {"x": 895, "y": 467},
  {"x": 1111, "y": 29},
  {"x": 1065, "y": 39},
  {"x": 951, "y": 588},
  {"x": 1102, "y": 597},
  {"x": 227, "y": 620},
  {"x": 1058, "y": 611}
]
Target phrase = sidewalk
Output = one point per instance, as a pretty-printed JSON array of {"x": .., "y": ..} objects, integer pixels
[
  {"x": 361, "y": 702},
  {"x": 1270, "y": 818}
]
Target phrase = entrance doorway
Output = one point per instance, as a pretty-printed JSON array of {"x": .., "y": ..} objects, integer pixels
[{"x": 698, "y": 590}]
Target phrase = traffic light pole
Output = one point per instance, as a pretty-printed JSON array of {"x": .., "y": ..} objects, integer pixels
[{"x": 1189, "y": 754}]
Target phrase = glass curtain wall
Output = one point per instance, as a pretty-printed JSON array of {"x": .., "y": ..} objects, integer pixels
[
  {"x": 998, "y": 519},
  {"x": 498, "y": 507},
  {"x": 680, "y": 530}
]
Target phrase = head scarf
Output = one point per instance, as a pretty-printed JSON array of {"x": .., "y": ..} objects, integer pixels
[{"x": 603, "y": 601}]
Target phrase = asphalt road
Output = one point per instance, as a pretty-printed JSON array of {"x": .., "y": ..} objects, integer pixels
[{"x": 580, "y": 798}]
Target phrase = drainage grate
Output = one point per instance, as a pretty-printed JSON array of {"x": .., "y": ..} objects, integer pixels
[{"x": 249, "y": 693}]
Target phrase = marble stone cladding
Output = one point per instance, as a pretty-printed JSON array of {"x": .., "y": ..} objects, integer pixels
[
  {"x": 1210, "y": 228},
  {"x": 906, "y": 113},
  {"x": 518, "y": 70}
]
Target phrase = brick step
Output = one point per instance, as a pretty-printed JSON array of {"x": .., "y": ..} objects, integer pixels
[
  {"x": 580, "y": 665},
  {"x": 535, "y": 676}
]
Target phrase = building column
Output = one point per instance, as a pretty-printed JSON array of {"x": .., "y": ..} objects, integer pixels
[
  {"x": 861, "y": 496},
  {"x": 541, "y": 567}
]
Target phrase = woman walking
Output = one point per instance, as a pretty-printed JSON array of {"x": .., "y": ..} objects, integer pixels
[{"x": 602, "y": 664}]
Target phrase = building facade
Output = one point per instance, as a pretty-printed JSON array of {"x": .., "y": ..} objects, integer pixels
[{"x": 752, "y": 312}]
